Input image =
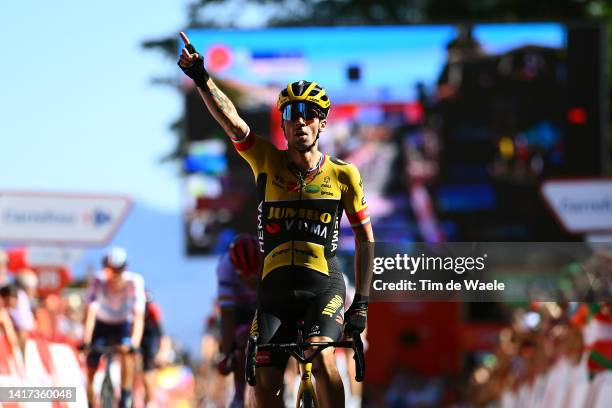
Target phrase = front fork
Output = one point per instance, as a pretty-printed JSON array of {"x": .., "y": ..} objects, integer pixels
[{"x": 306, "y": 384}]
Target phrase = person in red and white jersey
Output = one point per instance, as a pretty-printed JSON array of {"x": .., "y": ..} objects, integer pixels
[
  {"x": 115, "y": 317},
  {"x": 238, "y": 272}
]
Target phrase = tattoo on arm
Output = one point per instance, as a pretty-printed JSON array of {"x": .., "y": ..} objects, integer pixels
[
  {"x": 226, "y": 112},
  {"x": 224, "y": 105}
]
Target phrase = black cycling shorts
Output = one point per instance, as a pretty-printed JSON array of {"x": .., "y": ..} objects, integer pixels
[
  {"x": 106, "y": 334},
  {"x": 289, "y": 296},
  {"x": 149, "y": 346}
]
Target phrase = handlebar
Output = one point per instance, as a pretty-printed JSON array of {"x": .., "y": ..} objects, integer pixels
[
  {"x": 297, "y": 351},
  {"x": 106, "y": 349}
]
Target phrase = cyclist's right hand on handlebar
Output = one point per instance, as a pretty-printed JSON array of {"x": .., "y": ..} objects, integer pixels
[
  {"x": 356, "y": 317},
  {"x": 192, "y": 63}
]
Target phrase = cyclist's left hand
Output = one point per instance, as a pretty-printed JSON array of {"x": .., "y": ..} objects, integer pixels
[
  {"x": 356, "y": 317},
  {"x": 124, "y": 348}
]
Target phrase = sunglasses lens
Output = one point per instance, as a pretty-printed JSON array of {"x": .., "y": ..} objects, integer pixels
[{"x": 295, "y": 110}]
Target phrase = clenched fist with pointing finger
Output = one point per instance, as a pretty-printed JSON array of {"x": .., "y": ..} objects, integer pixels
[{"x": 192, "y": 63}]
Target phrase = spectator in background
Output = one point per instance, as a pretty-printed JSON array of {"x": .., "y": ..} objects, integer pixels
[
  {"x": 150, "y": 345},
  {"x": 71, "y": 323},
  {"x": 22, "y": 314},
  {"x": 8, "y": 300},
  {"x": 3, "y": 268}
]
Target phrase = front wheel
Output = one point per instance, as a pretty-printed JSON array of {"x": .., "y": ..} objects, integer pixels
[
  {"x": 107, "y": 397},
  {"x": 307, "y": 400}
]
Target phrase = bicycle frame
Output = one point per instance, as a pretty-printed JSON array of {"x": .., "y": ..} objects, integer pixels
[
  {"x": 107, "y": 392},
  {"x": 297, "y": 351},
  {"x": 306, "y": 385}
]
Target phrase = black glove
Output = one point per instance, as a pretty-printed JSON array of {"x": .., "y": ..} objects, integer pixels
[
  {"x": 356, "y": 317},
  {"x": 196, "y": 70}
]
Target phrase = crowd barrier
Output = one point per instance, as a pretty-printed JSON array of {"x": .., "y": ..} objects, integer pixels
[
  {"x": 45, "y": 364},
  {"x": 565, "y": 386}
]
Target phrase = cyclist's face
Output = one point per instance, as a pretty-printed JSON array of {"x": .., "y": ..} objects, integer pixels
[
  {"x": 301, "y": 133},
  {"x": 114, "y": 274}
]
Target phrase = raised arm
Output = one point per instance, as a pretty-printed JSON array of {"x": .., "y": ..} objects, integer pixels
[{"x": 219, "y": 105}]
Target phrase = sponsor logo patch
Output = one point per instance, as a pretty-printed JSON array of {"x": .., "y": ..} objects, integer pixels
[
  {"x": 272, "y": 228},
  {"x": 334, "y": 304}
]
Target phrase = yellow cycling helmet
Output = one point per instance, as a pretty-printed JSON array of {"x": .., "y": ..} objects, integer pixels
[{"x": 304, "y": 91}]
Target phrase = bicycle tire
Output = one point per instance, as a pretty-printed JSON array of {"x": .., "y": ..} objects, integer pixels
[
  {"x": 307, "y": 400},
  {"x": 107, "y": 394}
]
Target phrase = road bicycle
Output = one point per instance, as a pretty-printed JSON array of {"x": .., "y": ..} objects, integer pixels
[{"x": 107, "y": 391}]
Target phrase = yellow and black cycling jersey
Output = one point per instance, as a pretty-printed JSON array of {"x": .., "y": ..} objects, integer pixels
[{"x": 298, "y": 216}]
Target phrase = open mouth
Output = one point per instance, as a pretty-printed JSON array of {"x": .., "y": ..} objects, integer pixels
[{"x": 299, "y": 133}]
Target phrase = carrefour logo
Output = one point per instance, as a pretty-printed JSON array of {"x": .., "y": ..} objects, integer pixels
[
  {"x": 97, "y": 217},
  {"x": 23, "y": 217}
]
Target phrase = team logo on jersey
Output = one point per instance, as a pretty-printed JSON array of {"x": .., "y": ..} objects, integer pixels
[
  {"x": 326, "y": 183},
  {"x": 280, "y": 213},
  {"x": 314, "y": 330},
  {"x": 272, "y": 228},
  {"x": 279, "y": 252},
  {"x": 260, "y": 225},
  {"x": 300, "y": 219},
  {"x": 306, "y": 252},
  {"x": 312, "y": 188}
]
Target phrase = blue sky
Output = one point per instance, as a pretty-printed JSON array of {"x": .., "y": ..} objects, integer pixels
[
  {"x": 79, "y": 115},
  {"x": 78, "y": 110}
]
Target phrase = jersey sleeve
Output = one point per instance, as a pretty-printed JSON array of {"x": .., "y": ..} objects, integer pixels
[
  {"x": 255, "y": 150},
  {"x": 139, "y": 296},
  {"x": 92, "y": 292},
  {"x": 353, "y": 198},
  {"x": 155, "y": 312},
  {"x": 226, "y": 286}
]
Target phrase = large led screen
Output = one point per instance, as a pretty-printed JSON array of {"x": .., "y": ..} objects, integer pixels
[{"x": 453, "y": 127}]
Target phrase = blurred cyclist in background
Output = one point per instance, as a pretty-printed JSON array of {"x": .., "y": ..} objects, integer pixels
[
  {"x": 149, "y": 346},
  {"x": 114, "y": 317},
  {"x": 237, "y": 275}
]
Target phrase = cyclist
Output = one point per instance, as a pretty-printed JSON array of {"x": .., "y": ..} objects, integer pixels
[
  {"x": 301, "y": 196},
  {"x": 237, "y": 277},
  {"x": 114, "y": 316},
  {"x": 149, "y": 345}
]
